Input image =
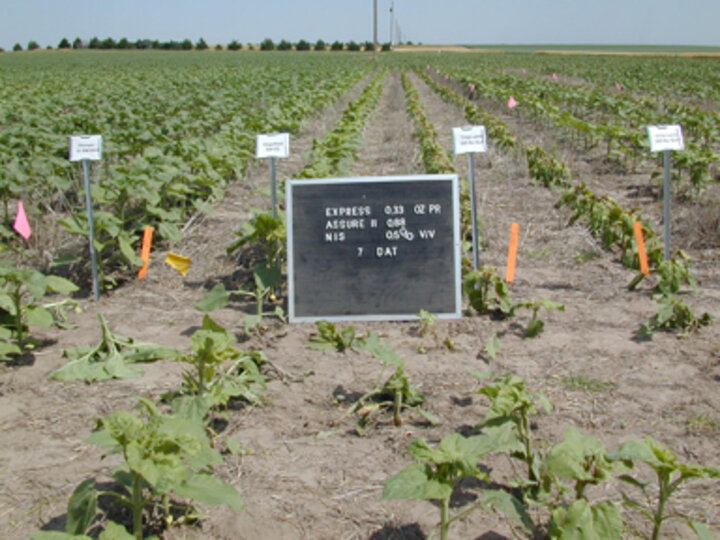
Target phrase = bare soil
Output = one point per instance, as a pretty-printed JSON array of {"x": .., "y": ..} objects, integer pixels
[{"x": 307, "y": 476}]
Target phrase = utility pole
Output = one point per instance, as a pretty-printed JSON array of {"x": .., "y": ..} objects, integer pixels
[
  {"x": 375, "y": 26},
  {"x": 392, "y": 22}
]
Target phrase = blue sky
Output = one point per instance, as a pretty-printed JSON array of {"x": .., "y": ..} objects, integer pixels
[{"x": 667, "y": 22}]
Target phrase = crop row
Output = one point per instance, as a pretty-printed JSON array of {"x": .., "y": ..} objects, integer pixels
[
  {"x": 679, "y": 79},
  {"x": 550, "y": 493},
  {"x": 547, "y": 169},
  {"x": 167, "y": 448},
  {"x": 23, "y": 290},
  {"x": 331, "y": 155},
  {"x": 170, "y": 449},
  {"x": 664, "y": 80},
  {"x": 595, "y": 117},
  {"x": 173, "y": 137},
  {"x": 435, "y": 158},
  {"x": 606, "y": 220}
]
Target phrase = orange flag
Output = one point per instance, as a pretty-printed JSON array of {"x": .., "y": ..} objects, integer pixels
[
  {"x": 642, "y": 254},
  {"x": 145, "y": 251},
  {"x": 512, "y": 252}
]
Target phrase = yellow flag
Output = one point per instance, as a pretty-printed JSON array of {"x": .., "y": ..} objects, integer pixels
[{"x": 178, "y": 262}]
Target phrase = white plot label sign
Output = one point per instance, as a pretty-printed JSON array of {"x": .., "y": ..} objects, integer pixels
[
  {"x": 86, "y": 147},
  {"x": 667, "y": 137},
  {"x": 273, "y": 145},
  {"x": 469, "y": 139}
]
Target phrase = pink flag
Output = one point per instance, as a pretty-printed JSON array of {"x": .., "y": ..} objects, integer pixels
[
  {"x": 512, "y": 103},
  {"x": 554, "y": 76},
  {"x": 437, "y": 72},
  {"x": 618, "y": 86},
  {"x": 524, "y": 70},
  {"x": 447, "y": 76},
  {"x": 21, "y": 224},
  {"x": 472, "y": 87}
]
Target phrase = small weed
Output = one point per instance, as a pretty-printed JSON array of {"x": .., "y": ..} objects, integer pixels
[
  {"x": 587, "y": 255},
  {"x": 587, "y": 384},
  {"x": 702, "y": 424},
  {"x": 540, "y": 253}
]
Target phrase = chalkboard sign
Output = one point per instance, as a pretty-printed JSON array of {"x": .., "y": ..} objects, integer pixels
[{"x": 379, "y": 248}]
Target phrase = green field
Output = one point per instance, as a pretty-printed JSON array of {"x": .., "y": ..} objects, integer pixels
[
  {"x": 568, "y": 160},
  {"x": 596, "y": 48},
  {"x": 183, "y": 124}
]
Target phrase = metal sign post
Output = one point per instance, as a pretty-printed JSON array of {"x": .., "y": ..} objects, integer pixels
[
  {"x": 86, "y": 148},
  {"x": 663, "y": 139},
  {"x": 468, "y": 140},
  {"x": 273, "y": 145},
  {"x": 273, "y": 188},
  {"x": 667, "y": 190},
  {"x": 91, "y": 228},
  {"x": 473, "y": 212}
]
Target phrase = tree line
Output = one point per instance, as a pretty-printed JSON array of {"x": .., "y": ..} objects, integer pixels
[{"x": 186, "y": 45}]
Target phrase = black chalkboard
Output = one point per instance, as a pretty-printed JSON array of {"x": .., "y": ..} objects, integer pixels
[{"x": 373, "y": 248}]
